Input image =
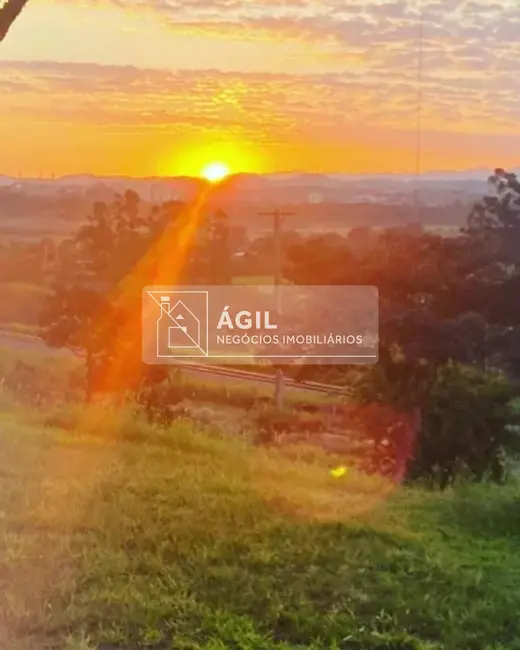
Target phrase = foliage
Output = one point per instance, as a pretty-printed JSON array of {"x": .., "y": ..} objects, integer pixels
[
  {"x": 85, "y": 312},
  {"x": 137, "y": 536},
  {"x": 443, "y": 302},
  {"x": 456, "y": 307},
  {"x": 84, "y": 321},
  {"x": 465, "y": 422},
  {"x": 467, "y": 426},
  {"x": 113, "y": 240},
  {"x": 210, "y": 255}
]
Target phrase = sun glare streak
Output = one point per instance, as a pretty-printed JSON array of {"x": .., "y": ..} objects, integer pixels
[
  {"x": 161, "y": 265},
  {"x": 301, "y": 490}
]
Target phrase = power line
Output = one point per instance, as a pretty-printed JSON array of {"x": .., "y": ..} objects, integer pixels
[
  {"x": 419, "y": 95},
  {"x": 419, "y": 98}
]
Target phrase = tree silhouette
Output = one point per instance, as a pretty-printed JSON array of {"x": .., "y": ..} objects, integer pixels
[
  {"x": 122, "y": 245},
  {"x": 8, "y": 14},
  {"x": 449, "y": 319},
  {"x": 85, "y": 322}
]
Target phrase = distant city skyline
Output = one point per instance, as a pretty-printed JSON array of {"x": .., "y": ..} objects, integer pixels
[{"x": 149, "y": 87}]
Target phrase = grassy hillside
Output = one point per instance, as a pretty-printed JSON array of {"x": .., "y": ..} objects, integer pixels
[
  {"x": 121, "y": 536},
  {"x": 21, "y": 304}
]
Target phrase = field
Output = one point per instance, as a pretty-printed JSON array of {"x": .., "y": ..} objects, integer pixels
[
  {"x": 253, "y": 279},
  {"x": 117, "y": 535},
  {"x": 20, "y": 306}
]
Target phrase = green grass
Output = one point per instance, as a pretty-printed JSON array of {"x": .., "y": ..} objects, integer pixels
[
  {"x": 226, "y": 390},
  {"x": 217, "y": 390},
  {"x": 119, "y": 535},
  {"x": 516, "y": 404}
]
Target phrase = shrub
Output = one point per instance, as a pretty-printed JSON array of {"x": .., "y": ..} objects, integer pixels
[{"x": 466, "y": 426}]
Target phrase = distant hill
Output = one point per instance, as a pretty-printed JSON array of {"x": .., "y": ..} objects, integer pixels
[{"x": 440, "y": 188}]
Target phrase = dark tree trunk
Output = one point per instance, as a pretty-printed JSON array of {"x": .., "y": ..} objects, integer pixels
[{"x": 8, "y": 14}]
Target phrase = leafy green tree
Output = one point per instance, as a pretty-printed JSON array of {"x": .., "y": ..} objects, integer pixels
[
  {"x": 467, "y": 426},
  {"x": 448, "y": 314},
  {"x": 460, "y": 417},
  {"x": 85, "y": 322},
  {"x": 115, "y": 237},
  {"x": 494, "y": 228},
  {"x": 96, "y": 302},
  {"x": 81, "y": 313}
]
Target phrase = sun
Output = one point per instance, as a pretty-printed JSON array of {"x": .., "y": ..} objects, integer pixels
[{"x": 215, "y": 172}]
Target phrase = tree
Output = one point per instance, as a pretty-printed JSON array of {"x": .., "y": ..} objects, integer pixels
[
  {"x": 85, "y": 322},
  {"x": 448, "y": 310},
  {"x": 115, "y": 237},
  {"x": 81, "y": 313},
  {"x": 8, "y": 14},
  {"x": 495, "y": 219},
  {"x": 95, "y": 307},
  {"x": 210, "y": 254},
  {"x": 466, "y": 427},
  {"x": 494, "y": 228}
]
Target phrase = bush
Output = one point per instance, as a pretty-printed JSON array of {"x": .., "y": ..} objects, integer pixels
[
  {"x": 466, "y": 427},
  {"x": 465, "y": 423}
]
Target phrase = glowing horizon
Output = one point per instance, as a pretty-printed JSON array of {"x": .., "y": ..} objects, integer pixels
[
  {"x": 307, "y": 87},
  {"x": 215, "y": 172}
]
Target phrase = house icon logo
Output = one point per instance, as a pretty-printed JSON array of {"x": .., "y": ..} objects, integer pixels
[
  {"x": 182, "y": 323},
  {"x": 184, "y": 332}
]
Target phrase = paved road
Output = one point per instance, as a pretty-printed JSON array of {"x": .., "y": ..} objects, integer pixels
[
  {"x": 29, "y": 343},
  {"x": 211, "y": 375}
]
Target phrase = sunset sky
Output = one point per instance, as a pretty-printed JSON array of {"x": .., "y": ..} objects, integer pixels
[{"x": 145, "y": 87}]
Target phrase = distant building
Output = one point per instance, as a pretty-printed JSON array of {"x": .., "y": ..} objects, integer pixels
[{"x": 315, "y": 197}]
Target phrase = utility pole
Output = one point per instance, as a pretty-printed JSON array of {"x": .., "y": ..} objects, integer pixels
[
  {"x": 277, "y": 236},
  {"x": 418, "y": 127}
]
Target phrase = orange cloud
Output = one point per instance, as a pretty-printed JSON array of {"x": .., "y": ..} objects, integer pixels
[
  {"x": 145, "y": 121},
  {"x": 343, "y": 97}
]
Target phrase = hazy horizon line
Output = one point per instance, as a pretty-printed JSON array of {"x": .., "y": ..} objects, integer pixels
[{"x": 433, "y": 172}]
